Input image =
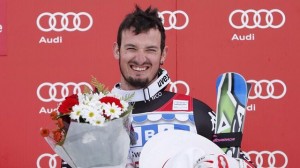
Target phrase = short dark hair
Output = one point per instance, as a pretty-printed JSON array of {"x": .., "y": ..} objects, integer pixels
[{"x": 142, "y": 21}]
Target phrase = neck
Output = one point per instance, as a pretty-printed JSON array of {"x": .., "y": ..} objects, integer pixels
[{"x": 144, "y": 94}]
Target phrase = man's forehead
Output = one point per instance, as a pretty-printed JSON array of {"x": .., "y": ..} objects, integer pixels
[
  {"x": 128, "y": 31},
  {"x": 132, "y": 31},
  {"x": 151, "y": 37}
]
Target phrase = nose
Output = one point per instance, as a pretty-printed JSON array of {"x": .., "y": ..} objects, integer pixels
[{"x": 140, "y": 57}]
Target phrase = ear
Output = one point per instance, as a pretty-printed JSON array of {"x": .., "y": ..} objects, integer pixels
[
  {"x": 164, "y": 55},
  {"x": 116, "y": 50}
]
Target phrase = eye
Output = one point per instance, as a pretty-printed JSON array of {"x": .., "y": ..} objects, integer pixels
[
  {"x": 151, "y": 50},
  {"x": 131, "y": 49}
]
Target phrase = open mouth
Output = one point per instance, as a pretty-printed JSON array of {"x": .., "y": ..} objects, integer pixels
[{"x": 138, "y": 68}]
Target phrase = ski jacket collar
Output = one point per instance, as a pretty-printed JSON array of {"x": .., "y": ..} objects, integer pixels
[{"x": 146, "y": 93}]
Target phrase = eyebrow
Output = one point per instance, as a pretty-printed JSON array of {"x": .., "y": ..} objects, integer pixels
[
  {"x": 129, "y": 45},
  {"x": 132, "y": 45},
  {"x": 152, "y": 47}
]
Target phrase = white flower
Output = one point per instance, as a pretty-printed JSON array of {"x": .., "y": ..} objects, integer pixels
[
  {"x": 85, "y": 98},
  {"x": 99, "y": 120},
  {"x": 95, "y": 112},
  {"x": 89, "y": 114},
  {"x": 76, "y": 112},
  {"x": 112, "y": 110},
  {"x": 81, "y": 97}
]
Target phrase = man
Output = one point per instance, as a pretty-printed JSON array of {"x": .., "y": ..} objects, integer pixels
[{"x": 141, "y": 50}]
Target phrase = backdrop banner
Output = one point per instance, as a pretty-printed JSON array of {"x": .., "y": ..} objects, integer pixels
[
  {"x": 53, "y": 48},
  {"x": 3, "y": 28}
]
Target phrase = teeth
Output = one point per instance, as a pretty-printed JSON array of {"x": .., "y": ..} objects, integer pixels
[{"x": 139, "y": 68}]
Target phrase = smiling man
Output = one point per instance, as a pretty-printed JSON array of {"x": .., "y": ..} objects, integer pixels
[
  {"x": 141, "y": 51},
  {"x": 139, "y": 57}
]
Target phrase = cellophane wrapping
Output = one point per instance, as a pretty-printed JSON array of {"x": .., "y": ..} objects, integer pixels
[{"x": 87, "y": 146}]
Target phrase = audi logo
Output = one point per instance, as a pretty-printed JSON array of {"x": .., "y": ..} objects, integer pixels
[
  {"x": 173, "y": 20},
  {"x": 173, "y": 87},
  {"x": 269, "y": 90},
  {"x": 51, "y": 158},
  {"x": 53, "y": 90},
  {"x": 257, "y": 18},
  {"x": 272, "y": 159},
  {"x": 53, "y": 23}
]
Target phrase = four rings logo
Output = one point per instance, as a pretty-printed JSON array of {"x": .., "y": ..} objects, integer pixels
[
  {"x": 262, "y": 18},
  {"x": 173, "y": 87},
  {"x": 268, "y": 159},
  {"x": 70, "y": 21},
  {"x": 265, "y": 89},
  {"x": 173, "y": 19},
  {"x": 47, "y": 157},
  {"x": 47, "y": 92}
]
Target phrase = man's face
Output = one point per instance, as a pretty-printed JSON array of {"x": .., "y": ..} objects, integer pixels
[{"x": 139, "y": 58}]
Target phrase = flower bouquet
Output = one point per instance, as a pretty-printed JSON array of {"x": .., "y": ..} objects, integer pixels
[{"x": 93, "y": 129}]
